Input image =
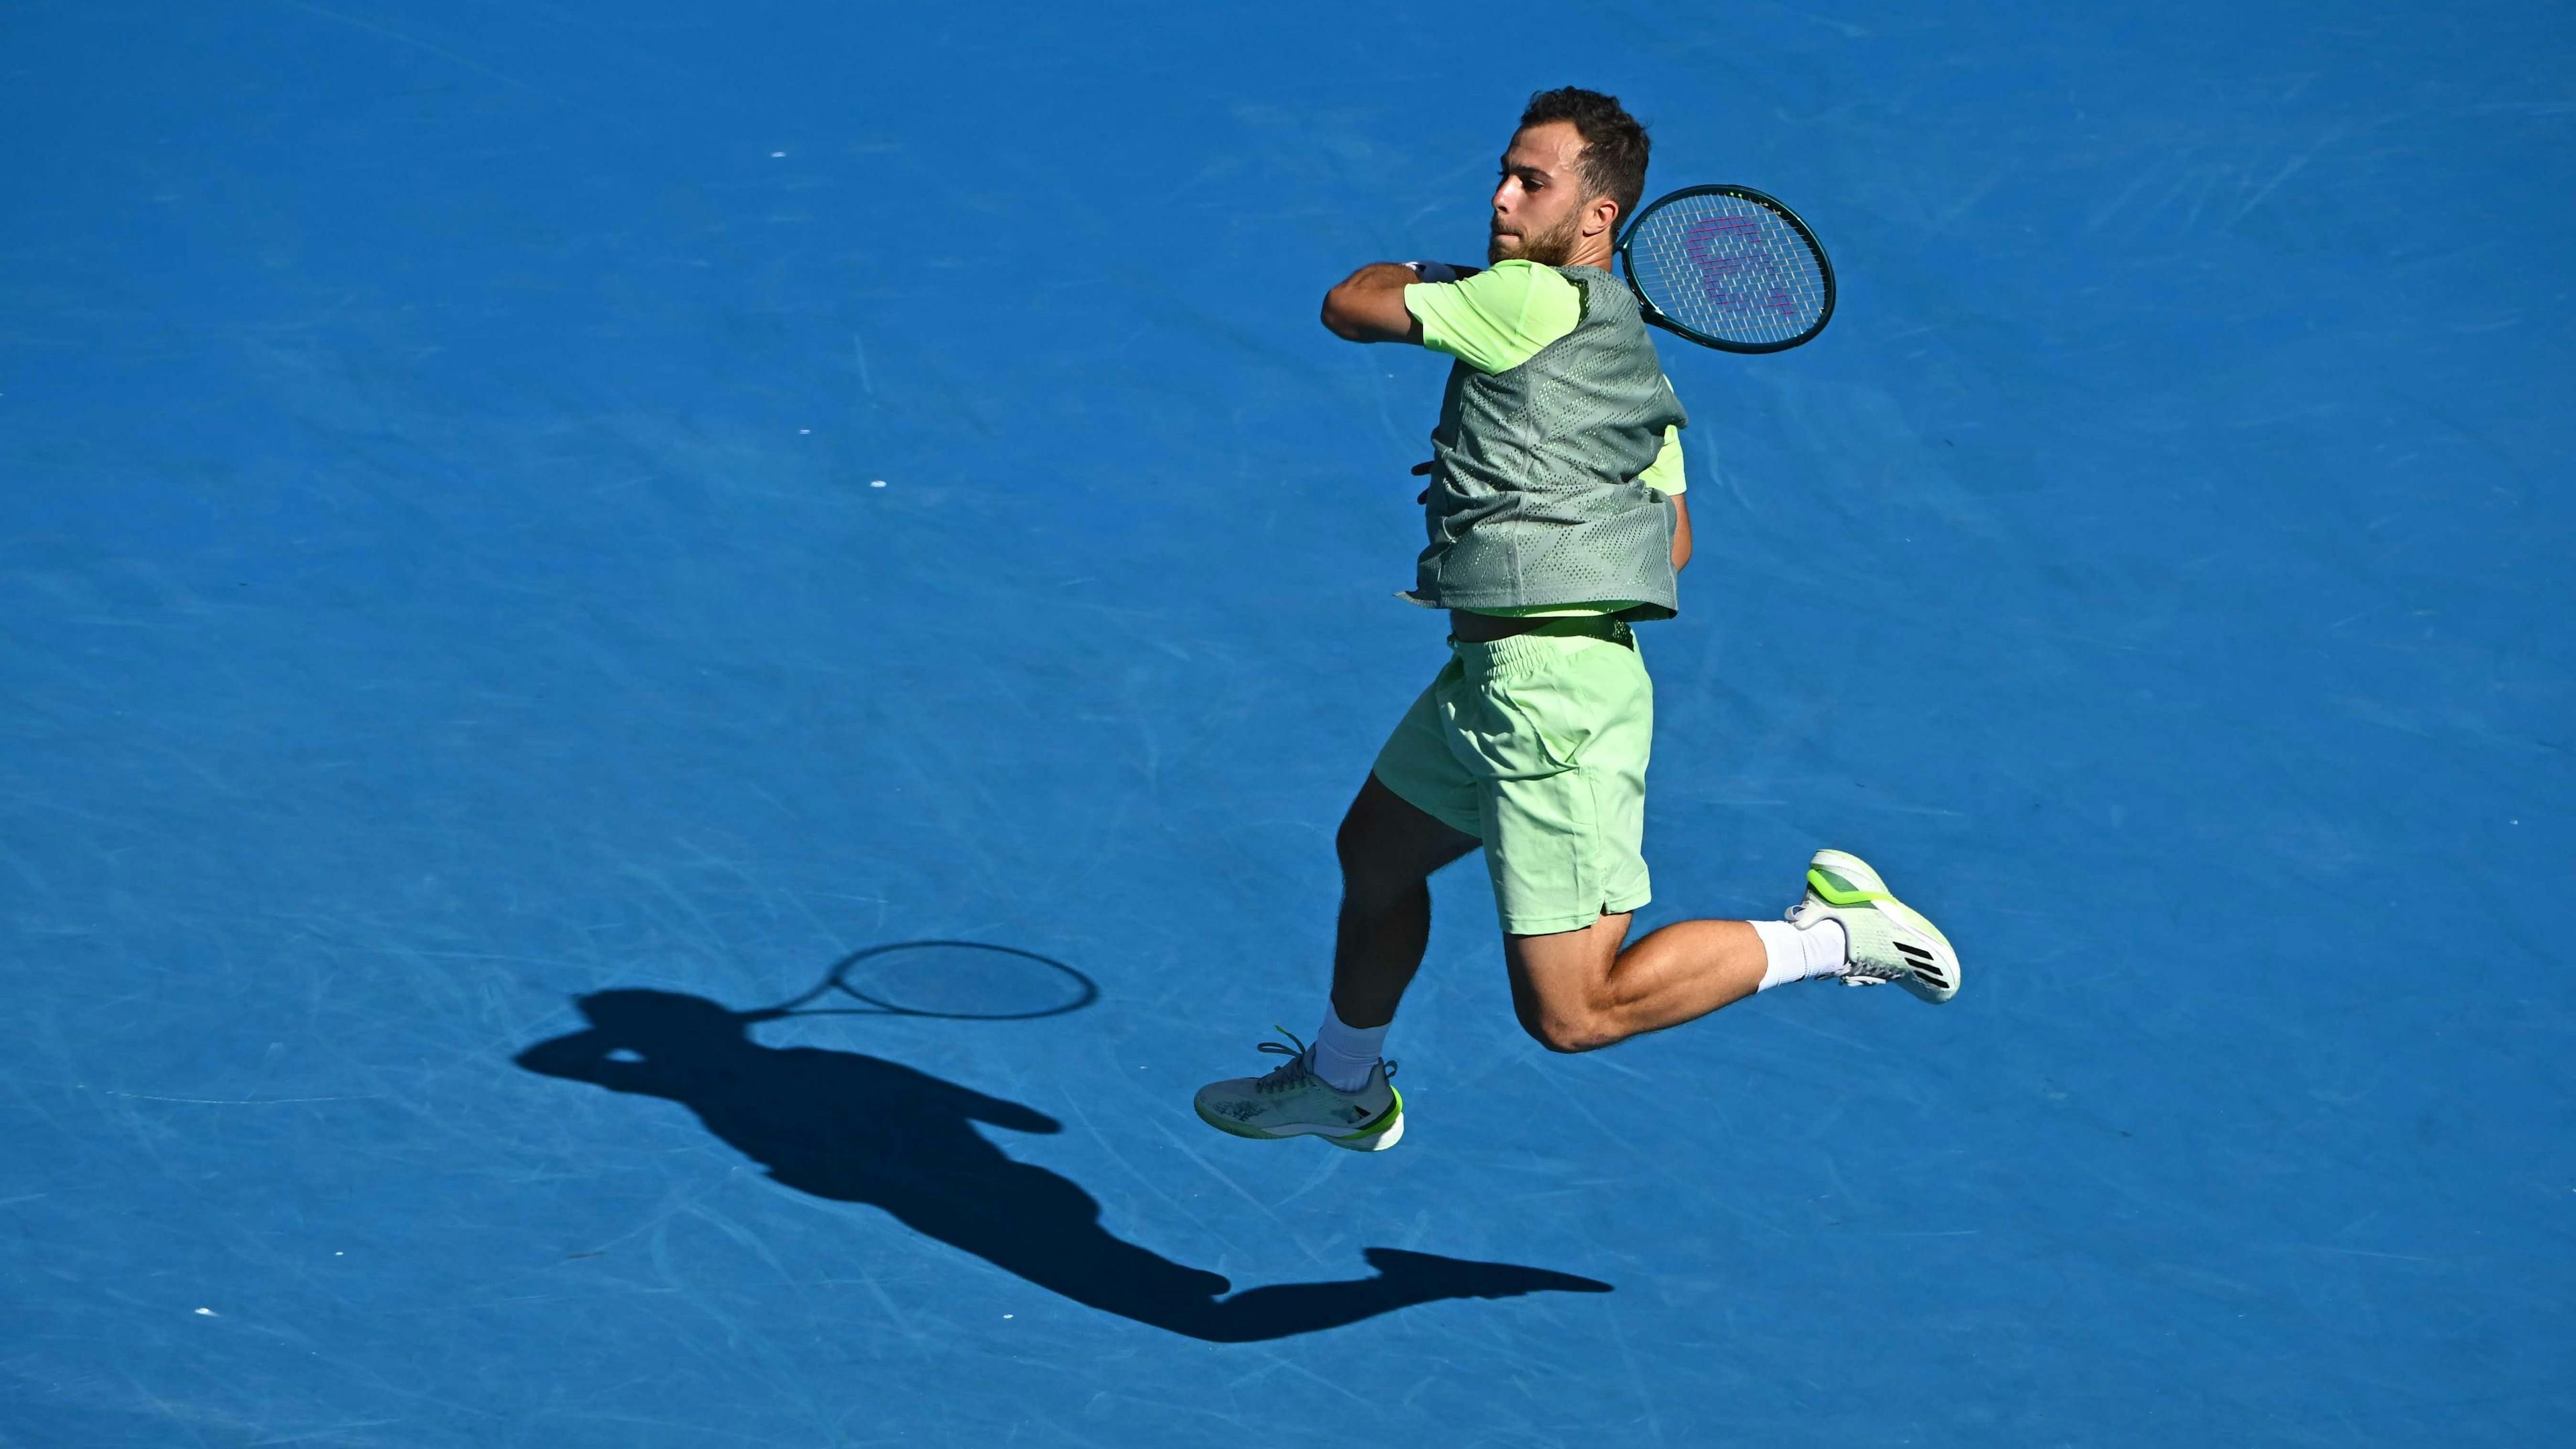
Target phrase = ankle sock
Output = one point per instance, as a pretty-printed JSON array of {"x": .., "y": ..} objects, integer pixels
[
  {"x": 1791, "y": 954},
  {"x": 1346, "y": 1054}
]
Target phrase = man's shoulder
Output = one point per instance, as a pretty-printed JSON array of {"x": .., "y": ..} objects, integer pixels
[
  {"x": 1523, "y": 281},
  {"x": 1500, "y": 317},
  {"x": 1593, "y": 287},
  {"x": 1545, "y": 302}
]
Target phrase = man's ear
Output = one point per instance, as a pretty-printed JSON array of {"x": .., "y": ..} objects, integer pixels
[{"x": 1602, "y": 216}]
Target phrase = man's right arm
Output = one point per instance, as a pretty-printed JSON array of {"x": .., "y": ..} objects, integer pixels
[{"x": 1368, "y": 306}]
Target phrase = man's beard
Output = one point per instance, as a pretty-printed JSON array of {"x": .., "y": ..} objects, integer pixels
[{"x": 1551, "y": 248}]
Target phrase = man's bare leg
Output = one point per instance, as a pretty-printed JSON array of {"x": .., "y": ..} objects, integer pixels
[
  {"x": 1577, "y": 991},
  {"x": 1388, "y": 851}
]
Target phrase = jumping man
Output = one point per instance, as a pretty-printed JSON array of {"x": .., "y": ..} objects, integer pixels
[{"x": 1556, "y": 517}]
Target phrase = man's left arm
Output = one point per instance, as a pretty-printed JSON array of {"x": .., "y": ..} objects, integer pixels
[{"x": 1664, "y": 475}]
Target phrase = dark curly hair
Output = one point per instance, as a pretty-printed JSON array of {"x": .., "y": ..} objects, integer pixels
[{"x": 1614, "y": 142}]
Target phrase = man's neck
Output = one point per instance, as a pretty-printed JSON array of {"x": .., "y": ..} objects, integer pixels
[{"x": 1593, "y": 253}]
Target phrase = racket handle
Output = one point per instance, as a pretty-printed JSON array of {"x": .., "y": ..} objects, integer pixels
[{"x": 1442, "y": 271}]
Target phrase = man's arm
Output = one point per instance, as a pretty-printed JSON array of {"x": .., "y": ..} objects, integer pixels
[
  {"x": 1369, "y": 305},
  {"x": 1664, "y": 475}
]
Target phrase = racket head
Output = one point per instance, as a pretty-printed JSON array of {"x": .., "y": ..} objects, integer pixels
[
  {"x": 943, "y": 980},
  {"x": 1729, "y": 267}
]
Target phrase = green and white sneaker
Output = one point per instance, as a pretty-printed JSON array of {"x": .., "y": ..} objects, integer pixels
[
  {"x": 1889, "y": 941},
  {"x": 1293, "y": 1102}
]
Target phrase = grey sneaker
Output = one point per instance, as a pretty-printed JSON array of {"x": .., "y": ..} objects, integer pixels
[
  {"x": 1889, "y": 940},
  {"x": 1292, "y": 1101}
]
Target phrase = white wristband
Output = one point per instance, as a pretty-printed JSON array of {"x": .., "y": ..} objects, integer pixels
[{"x": 1434, "y": 271}]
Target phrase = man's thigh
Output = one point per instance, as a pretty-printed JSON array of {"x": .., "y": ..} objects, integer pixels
[
  {"x": 1563, "y": 972},
  {"x": 1417, "y": 768}
]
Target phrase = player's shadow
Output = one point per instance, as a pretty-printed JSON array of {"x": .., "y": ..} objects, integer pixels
[{"x": 856, "y": 1128}]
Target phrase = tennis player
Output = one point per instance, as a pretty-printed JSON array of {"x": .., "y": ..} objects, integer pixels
[{"x": 1556, "y": 518}]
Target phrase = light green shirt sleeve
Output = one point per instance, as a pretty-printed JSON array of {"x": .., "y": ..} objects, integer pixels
[
  {"x": 1497, "y": 319},
  {"x": 1665, "y": 472}
]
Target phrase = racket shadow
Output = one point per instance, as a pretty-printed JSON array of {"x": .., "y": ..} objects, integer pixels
[{"x": 849, "y": 1127}]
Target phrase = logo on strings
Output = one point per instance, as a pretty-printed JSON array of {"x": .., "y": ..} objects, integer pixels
[{"x": 1735, "y": 270}]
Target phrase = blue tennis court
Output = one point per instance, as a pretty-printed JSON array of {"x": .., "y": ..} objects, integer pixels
[{"x": 528, "y": 533}]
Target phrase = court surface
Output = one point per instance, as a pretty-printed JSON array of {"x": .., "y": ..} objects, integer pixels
[{"x": 445, "y": 572}]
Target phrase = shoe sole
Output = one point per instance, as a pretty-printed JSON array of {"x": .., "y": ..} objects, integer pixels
[
  {"x": 1874, "y": 895},
  {"x": 1377, "y": 1137}
]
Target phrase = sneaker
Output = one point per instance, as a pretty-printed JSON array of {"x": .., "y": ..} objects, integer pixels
[
  {"x": 1292, "y": 1101},
  {"x": 1889, "y": 941}
]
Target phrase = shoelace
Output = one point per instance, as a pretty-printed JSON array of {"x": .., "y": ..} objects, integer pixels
[{"x": 1300, "y": 1067}]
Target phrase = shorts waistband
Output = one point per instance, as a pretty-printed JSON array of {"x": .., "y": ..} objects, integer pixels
[{"x": 1542, "y": 646}]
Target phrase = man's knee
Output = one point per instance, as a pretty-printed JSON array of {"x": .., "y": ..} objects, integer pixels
[
  {"x": 1568, "y": 1032},
  {"x": 1352, "y": 844},
  {"x": 1563, "y": 1020},
  {"x": 1563, "y": 989},
  {"x": 1372, "y": 884},
  {"x": 1388, "y": 849}
]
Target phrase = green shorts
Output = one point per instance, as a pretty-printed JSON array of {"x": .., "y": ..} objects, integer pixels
[{"x": 1537, "y": 746}]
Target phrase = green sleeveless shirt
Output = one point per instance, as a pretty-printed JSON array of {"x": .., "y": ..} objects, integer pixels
[{"x": 1535, "y": 499}]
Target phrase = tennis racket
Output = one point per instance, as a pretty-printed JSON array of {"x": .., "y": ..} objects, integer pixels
[
  {"x": 950, "y": 980},
  {"x": 1730, "y": 268}
]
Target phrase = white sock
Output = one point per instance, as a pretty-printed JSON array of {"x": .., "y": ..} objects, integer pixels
[
  {"x": 1795, "y": 955},
  {"x": 1346, "y": 1054}
]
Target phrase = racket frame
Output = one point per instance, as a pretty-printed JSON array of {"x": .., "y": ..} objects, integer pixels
[
  {"x": 1087, "y": 990},
  {"x": 1654, "y": 315}
]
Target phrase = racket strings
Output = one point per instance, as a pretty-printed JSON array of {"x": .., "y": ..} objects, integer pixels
[{"x": 1730, "y": 268}]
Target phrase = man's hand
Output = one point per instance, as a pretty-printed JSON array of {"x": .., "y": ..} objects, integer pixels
[{"x": 1369, "y": 305}]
